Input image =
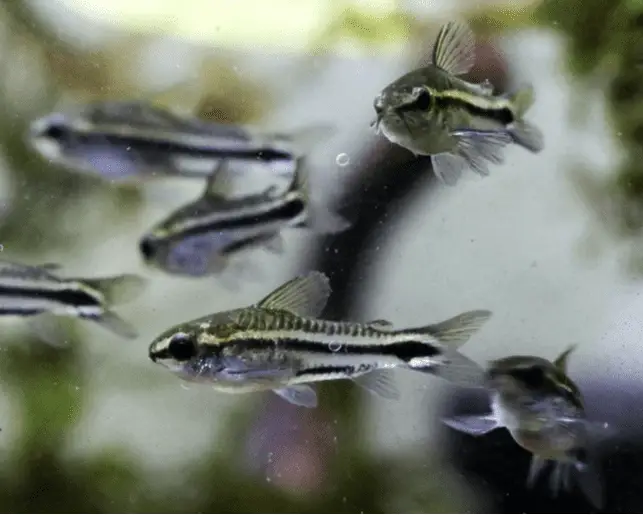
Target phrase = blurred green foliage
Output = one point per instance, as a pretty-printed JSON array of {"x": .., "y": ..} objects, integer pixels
[
  {"x": 605, "y": 47},
  {"x": 48, "y": 386}
]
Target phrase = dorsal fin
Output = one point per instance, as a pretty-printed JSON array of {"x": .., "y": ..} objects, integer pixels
[
  {"x": 454, "y": 48},
  {"x": 561, "y": 361},
  {"x": 220, "y": 182},
  {"x": 305, "y": 295}
]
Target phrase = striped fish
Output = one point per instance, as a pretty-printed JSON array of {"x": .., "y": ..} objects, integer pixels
[
  {"x": 199, "y": 239},
  {"x": 279, "y": 344},
  {"x": 125, "y": 140},
  {"x": 37, "y": 292},
  {"x": 431, "y": 111}
]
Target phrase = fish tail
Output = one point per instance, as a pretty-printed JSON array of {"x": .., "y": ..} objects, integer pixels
[
  {"x": 112, "y": 322},
  {"x": 456, "y": 331},
  {"x": 119, "y": 289},
  {"x": 524, "y": 133},
  {"x": 453, "y": 333},
  {"x": 319, "y": 218}
]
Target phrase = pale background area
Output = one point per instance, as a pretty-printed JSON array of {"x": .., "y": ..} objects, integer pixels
[{"x": 512, "y": 243}]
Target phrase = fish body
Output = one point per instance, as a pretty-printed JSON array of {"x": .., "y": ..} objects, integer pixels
[
  {"x": 431, "y": 111},
  {"x": 279, "y": 344},
  {"x": 37, "y": 291},
  {"x": 200, "y": 238},
  {"x": 123, "y": 140},
  {"x": 542, "y": 408}
]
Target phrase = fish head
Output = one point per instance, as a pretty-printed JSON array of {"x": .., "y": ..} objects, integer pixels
[
  {"x": 49, "y": 135},
  {"x": 193, "y": 350},
  {"x": 404, "y": 111},
  {"x": 520, "y": 374}
]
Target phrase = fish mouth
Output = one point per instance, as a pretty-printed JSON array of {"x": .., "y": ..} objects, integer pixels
[{"x": 375, "y": 124}]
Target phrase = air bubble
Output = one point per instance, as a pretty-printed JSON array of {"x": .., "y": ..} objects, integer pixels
[
  {"x": 335, "y": 346},
  {"x": 343, "y": 159}
]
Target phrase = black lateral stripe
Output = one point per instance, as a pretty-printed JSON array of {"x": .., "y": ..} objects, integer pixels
[
  {"x": 20, "y": 312},
  {"x": 346, "y": 370},
  {"x": 405, "y": 351},
  {"x": 134, "y": 143},
  {"x": 502, "y": 115},
  {"x": 65, "y": 296},
  {"x": 282, "y": 213}
]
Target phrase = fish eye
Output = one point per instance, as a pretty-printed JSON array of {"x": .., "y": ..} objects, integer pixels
[
  {"x": 181, "y": 347},
  {"x": 533, "y": 376},
  {"x": 423, "y": 99},
  {"x": 147, "y": 248},
  {"x": 55, "y": 131}
]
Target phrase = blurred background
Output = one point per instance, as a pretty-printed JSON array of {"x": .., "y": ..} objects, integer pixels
[{"x": 551, "y": 243}]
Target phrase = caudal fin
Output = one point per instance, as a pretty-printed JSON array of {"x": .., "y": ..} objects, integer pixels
[
  {"x": 118, "y": 290},
  {"x": 524, "y": 133},
  {"x": 456, "y": 331},
  {"x": 451, "y": 365},
  {"x": 319, "y": 218}
]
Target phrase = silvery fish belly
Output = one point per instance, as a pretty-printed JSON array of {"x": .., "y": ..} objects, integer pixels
[
  {"x": 202, "y": 237},
  {"x": 279, "y": 344},
  {"x": 431, "y": 111},
  {"x": 125, "y": 140},
  {"x": 543, "y": 410},
  {"x": 39, "y": 293}
]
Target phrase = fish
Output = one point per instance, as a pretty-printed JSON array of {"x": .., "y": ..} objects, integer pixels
[
  {"x": 543, "y": 410},
  {"x": 38, "y": 293},
  {"x": 280, "y": 344},
  {"x": 200, "y": 238},
  {"x": 431, "y": 111},
  {"x": 126, "y": 140}
]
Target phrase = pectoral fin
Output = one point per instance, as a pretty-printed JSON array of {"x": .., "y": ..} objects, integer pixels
[
  {"x": 300, "y": 395},
  {"x": 475, "y": 425},
  {"x": 379, "y": 382}
]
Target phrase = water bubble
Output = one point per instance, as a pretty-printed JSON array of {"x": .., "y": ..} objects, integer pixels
[
  {"x": 343, "y": 159},
  {"x": 335, "y": 346}
]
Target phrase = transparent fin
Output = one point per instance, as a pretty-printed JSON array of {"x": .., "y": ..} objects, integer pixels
[
  {"x": 318, "y": 217},
  {"x": 478, "y": 148},
  {"x": 455, "y": 48},
  {"x": 536, "y": 466},
  {"x": 379, "y": 382},
  {"x": 457, "y": 330},
  {"x": 590, "y": 483},
  {"x": 220, "y": 183},
  {"x": 305, "y": 295},
  {"x": 527, "y": 135},
  {"x": 119, "y": 289},
  {"x": 458, "y": 369},
  {"x": 300, "y": 395},
  {"x": 321, "y": 220},
  {"x": 50, "y": 328},
  {"x": 112, "y": 322},
  {"x": 276, "y": 244},
  {"x": 556, "y": 479},
  {"x": 475, "y": 425},
  {"x": 236, "y": 368},
  {"x": 522, "y": 100},
  {"x": 561, "y": 361},
  {"x": 448, "y": 167}
]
